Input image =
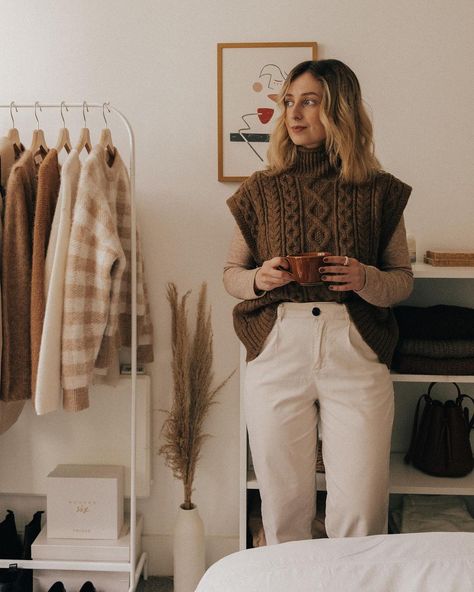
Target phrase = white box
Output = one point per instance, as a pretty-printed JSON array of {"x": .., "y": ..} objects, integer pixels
[
  {"x": 104, "y": 581},
  {"x": 88, "y": 549},
  {"x": 85, "y": 501}
]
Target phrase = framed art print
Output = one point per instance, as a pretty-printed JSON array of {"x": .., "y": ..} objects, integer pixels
[{"x": 249, "y": 78}]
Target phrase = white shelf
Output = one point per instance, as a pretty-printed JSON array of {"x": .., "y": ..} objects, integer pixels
[
  {"x": 405, "y": 479},
  {"x": 423, "y": 270},
  {"x": 431, "y": 378}
]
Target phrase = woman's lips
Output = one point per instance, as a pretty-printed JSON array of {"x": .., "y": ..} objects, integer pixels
[{"x": 298, "y": 128}]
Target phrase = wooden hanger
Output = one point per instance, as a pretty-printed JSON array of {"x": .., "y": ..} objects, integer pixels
[
  {"x": 64, "y": 141},
  {"x": 105, "y": 139},
  {"x": 13, "y": 135},
  {"x": 38, "y": 143},
  {"x": 84, "y": 140},
  {"x": 85, "y": 136}
]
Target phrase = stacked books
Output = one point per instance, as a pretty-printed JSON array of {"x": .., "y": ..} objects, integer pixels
[{"x": 450, "y": 258}]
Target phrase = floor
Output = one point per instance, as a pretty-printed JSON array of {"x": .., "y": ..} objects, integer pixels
[{"x": 154, "y": 584}]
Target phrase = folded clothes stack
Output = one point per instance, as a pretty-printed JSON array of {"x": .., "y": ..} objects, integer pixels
[{"x": 435, "y": 340}]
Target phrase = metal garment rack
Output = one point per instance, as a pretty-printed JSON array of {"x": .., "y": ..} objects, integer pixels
[{"x": 133, "y": 566}]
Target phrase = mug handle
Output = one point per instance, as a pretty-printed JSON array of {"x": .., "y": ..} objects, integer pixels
[{"x": 287, "y": 270}]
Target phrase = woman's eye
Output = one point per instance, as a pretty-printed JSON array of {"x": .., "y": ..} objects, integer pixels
[
  {"x": 288, "y": 103},
  {"x": 309, "y": 102}
]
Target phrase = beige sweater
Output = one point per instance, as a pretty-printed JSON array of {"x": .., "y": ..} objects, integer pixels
[
  {"x": 380, "y": 289},
  {"x": 46, "y": 197},
  {"x": 48, "y": 396},
  {"x": 96, "y": 311}
]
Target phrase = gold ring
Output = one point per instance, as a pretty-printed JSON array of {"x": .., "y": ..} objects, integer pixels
[{"x": 346, "y": 261}]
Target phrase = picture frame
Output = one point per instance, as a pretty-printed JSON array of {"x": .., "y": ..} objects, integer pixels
[{"x": 249, "y": 78}]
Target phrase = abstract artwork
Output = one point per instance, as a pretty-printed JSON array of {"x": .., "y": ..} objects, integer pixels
[{"x": 250, "y": 77}]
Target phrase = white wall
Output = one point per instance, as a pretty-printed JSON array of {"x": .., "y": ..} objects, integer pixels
[{"x": 156, "y": 61}]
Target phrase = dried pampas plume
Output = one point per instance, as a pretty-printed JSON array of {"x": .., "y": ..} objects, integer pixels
[{"x": 193, "y": 394}]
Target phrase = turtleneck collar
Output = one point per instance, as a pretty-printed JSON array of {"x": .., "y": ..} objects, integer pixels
[{"x": 312, "y": 161}]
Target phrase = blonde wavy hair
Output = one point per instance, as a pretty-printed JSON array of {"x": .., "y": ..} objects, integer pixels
[{"x": 349, "y": 135}]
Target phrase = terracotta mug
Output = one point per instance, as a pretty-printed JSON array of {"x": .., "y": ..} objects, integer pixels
[{"x": 305, "y": 267}]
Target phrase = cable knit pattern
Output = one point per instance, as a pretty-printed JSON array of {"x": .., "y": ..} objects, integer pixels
[{"x": 309, "y": 209}]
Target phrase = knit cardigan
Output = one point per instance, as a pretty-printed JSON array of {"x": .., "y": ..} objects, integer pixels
[
  {"x": 47, "y": 195},
  {"x": 96, "y": 310},
  {"x": 306, "y": 209},
  {"x": 16, "y": 279},
  {"x": 48, "y": 394}
]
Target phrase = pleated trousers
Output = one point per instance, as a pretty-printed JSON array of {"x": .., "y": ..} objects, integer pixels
[{"x": 315, "y": 372}]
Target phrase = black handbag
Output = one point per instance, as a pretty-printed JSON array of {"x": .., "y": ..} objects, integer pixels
[{"x": 440, "y": 442}]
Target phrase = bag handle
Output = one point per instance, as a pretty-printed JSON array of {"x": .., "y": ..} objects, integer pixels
[
  {"x": 470, "y": 424},
  {"x": 432, "y": 384},
  {"x": 459, "y": 400}
]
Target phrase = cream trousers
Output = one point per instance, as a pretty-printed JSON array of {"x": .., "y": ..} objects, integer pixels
[{"x": 315, "y": 372}]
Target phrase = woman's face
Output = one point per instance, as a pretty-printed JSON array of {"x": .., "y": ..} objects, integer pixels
[{"x": 302, "y": 103}]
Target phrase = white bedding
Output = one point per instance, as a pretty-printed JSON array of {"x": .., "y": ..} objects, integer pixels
[{"x": 421, "y": 562}]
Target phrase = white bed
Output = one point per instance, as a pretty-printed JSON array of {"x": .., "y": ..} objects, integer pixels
[{"x": 421, "y": 562}]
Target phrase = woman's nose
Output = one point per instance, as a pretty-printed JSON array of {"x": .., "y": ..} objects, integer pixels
[{"x": 296, "y": 113}]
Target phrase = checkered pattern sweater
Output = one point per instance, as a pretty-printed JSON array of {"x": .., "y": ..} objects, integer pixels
[
  {"x": 97, "y": 290},
  {"x": 308, "y": 208}
]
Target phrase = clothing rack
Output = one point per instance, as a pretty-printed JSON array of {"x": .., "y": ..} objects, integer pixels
[{"x": 133, "y": 566}]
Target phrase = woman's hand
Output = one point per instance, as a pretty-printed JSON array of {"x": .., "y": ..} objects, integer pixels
[
  {"x": 345, "y": 272},
  {"x": 272, "y": 274}
]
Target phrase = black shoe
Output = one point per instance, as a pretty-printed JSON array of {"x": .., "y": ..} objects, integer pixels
[
  {"x": 8, "y": 578},
  {"x": 87, "y": 587},
  {"x": 57, "y": 587},
  {"x": 32, "y": 530},
  {"x": 10, "y": 545}
]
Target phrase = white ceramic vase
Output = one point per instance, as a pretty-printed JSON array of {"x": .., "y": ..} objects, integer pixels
[{"x": 188, "y": 550}]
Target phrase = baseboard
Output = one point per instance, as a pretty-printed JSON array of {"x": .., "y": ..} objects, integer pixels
[{"x": 160, "y": 551}]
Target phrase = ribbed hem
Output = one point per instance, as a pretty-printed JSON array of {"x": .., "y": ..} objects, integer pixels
[{"x": 76, "y": 399}]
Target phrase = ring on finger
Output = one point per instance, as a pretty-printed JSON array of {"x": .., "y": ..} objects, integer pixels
[{"x": 346, "y": 261}]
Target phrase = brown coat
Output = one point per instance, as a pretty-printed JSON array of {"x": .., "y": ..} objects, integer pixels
[
  {"x": 46, "y": 198},
  {"x": 16, "y": 279}
]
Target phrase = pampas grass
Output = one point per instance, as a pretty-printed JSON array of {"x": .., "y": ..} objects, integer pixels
[{"x": 193, "y": 394}]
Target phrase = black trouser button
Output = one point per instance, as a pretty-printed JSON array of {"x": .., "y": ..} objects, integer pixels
[{"x": 316, "y": 311}]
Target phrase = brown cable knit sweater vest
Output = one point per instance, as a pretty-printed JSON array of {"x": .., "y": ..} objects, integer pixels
[{"x": 308, "y": 208}]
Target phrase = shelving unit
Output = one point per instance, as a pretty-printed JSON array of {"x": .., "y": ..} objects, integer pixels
[{"x": 404, "y": 478}]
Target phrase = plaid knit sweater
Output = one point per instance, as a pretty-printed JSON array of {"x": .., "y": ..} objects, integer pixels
[
  {"x": 309, "y": 209},
  {"x": 97, "y": 291}
]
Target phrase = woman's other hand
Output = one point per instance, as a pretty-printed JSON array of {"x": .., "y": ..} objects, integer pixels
[
  {"x": 272, "y": 274},
  {"x": 344, "y": 273}
]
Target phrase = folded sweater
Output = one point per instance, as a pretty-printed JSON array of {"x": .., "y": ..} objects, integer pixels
[{"x": 441, "y": 321}]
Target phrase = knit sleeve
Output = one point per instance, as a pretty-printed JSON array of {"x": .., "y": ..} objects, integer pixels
[
  {"x": 240, "y": 269},
  {"x": 144, "y": 323},
  {"x": 392, "y": 280},
  {"x": 95, "y": 264}
]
